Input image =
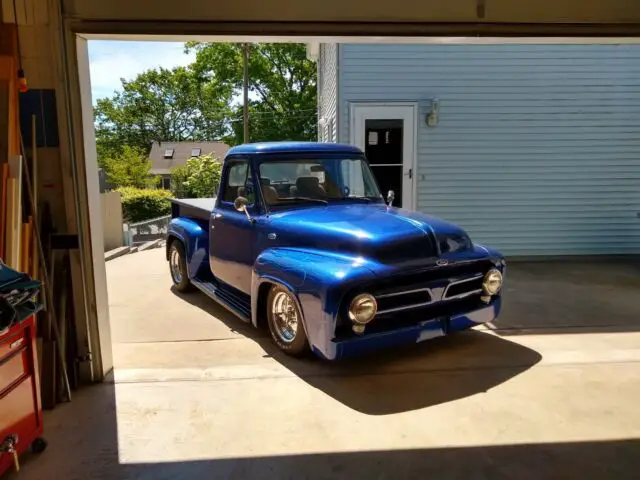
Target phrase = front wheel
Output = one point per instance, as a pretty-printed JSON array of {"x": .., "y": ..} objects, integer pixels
[
  {"x": 285, "y": 322},
  {"x": 178, "y": 267},
  {"x": 39, "y": 445}
]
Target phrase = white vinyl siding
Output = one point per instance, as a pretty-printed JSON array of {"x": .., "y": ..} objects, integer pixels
[
  {"x": 328, "y": 91},
  {"x": 537, "y": 151}
]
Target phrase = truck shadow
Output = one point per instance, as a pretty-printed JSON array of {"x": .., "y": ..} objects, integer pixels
[{"x": 393, "y": 381}]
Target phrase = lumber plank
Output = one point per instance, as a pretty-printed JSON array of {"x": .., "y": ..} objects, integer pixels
[
  {"x": 35, "y": 254},
  {"x": 15, "y": 172},
  {"x": 4, "y": 176},
  {"x": 12, "y": 250},
  {"x": 24, "y": 248}
]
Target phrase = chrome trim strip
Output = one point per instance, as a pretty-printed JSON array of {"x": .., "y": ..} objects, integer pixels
[
  {"x": 462, "y": 295},
  {"x": 404, "y": 292},
  {"x": 406, "y": 307}
]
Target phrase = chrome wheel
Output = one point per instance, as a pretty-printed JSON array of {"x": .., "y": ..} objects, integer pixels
[
  {"x": 174, "y": 265},
  {"x": 285, "y": 317}
]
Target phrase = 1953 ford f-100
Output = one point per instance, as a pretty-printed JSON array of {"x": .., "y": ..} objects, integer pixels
[{"x": 300, "y": 237}]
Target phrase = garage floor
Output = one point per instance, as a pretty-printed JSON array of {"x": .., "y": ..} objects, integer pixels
[{"x": 550, "y": 391}]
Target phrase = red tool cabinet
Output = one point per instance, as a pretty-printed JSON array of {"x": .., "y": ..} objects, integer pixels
[{"x": 20, "y": 407}]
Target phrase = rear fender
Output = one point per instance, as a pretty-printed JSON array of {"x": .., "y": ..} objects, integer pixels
[{"x": 195, "y": 240}]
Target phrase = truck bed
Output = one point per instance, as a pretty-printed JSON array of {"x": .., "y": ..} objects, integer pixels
[{"x": 196, "y": 208}]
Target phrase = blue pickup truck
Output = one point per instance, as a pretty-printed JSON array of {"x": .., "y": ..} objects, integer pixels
[{"x": 300, "y": 239}]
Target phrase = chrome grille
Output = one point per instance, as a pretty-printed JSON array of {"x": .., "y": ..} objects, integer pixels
[
  {"x": 398, "y": 301},
  {"x": 406, "y": 299},
  {"x": 416, "y": 291},
  {"x": 463, "y": 288}
]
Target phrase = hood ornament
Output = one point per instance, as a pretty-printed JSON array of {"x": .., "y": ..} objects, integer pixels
[{"x": 442, "y": 262}]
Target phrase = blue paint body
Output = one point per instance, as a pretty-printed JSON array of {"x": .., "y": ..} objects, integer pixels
[{"x": 326, "y": 254}]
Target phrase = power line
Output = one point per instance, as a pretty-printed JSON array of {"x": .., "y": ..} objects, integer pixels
[
  {"x": 312, "y": 110},
  {"x": 223, "y": 115},
  {"x": 233, "y": 120}
]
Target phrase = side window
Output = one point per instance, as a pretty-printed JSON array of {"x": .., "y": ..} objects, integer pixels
[
  {"x": 239, "y": 183},
  {"x": 352, "y": 176}
]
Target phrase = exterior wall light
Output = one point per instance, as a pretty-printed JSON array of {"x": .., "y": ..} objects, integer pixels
[{"x": 433, "y": 115}]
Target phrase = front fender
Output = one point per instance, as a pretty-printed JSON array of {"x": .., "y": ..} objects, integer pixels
[
  {"x": 318, "y": 279},
  {"x": 195, "y": 239}
]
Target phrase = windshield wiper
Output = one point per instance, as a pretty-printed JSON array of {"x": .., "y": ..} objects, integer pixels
[{"x": 306, "y": 199}]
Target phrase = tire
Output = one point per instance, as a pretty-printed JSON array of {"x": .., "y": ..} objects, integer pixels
[
  {"x": 296, "y": 343},
  {"x": 178, "y": 267},
  {"x": 39, "y": 445}
]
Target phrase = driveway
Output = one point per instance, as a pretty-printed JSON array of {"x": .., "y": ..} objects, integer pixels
[{"x": 548, "y": 391}]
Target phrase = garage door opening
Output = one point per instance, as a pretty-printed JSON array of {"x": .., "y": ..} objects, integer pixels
[{"x": 545, "y": 130}]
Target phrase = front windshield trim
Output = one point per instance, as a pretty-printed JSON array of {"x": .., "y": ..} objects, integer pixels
[{"x": 334, "y": 179}]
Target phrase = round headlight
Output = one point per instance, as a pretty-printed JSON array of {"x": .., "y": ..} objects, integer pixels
[
  {"x": 363, "y": 308},
  {"x": 492, "y": 282}
]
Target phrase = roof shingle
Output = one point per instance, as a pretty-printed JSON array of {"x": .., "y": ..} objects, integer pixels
[{"x": 181, "y": 153}]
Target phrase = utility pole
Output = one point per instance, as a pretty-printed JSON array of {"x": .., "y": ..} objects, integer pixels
[{"x": 245, "y": 51}]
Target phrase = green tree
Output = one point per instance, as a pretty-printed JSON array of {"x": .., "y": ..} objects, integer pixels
[
  {"x": 198, "y": 178},
  {"x": 162, "y": 105},
  {"x": 200, "y": 102},
  {"x": 282, "y": 82},
  {"x": 129, "y": 168}
]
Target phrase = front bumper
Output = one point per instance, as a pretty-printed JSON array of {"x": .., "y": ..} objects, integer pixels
[{"x": 433, "y": 328}]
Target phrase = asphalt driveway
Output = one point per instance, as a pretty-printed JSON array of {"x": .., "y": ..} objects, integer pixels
[{"x": 548, "y": 391}]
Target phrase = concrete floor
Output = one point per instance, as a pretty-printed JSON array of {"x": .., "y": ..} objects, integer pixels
[{"x": 549, "y": 391}]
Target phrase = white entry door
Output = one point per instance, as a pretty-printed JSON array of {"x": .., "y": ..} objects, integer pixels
[{"x": 386, "y": 133}]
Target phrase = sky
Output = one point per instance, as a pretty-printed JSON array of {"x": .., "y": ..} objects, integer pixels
[{"x": 110, "y": 60}]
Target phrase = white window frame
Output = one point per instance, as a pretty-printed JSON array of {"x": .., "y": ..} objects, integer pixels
[{"x": 407, "y": 111}]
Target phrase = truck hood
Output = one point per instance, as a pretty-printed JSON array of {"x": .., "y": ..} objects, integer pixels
[{"x": 388, "y": 235}]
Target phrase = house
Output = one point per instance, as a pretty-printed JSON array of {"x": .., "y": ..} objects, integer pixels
[
  {"x": 533, "y": 148},
  {"x": 165, "y": 156}
]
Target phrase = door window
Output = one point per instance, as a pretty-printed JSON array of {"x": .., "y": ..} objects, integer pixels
[
  {"x": 383, "y": 149},
  {"x": 239, "y": 182}
]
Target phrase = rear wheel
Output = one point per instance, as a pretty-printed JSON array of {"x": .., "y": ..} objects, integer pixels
[
  {"x": 178, "y": 267},
  {"x": 285, "y": 322}
]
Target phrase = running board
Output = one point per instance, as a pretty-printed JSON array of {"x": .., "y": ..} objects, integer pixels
[{"x": 226, "y": 297}]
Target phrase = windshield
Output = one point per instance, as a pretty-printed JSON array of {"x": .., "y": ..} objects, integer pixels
[{"x": 317, "y": 181}]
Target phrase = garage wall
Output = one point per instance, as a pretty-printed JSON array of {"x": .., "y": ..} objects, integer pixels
[
  {"x": 377, "y": 11},
  {"x": 61, "y": 173},
  {"x": 538, "y": 147}
]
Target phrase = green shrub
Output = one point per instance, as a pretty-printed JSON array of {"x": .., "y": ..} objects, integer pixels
[
  {"x": 198, "y": 178},
  {"x": 144, "y": 203}
]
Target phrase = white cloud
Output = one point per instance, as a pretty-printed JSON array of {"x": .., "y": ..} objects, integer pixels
[{"x": 110, "y": 61}]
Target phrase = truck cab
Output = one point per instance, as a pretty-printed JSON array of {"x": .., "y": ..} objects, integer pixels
[{"x": 300, "y": 238}]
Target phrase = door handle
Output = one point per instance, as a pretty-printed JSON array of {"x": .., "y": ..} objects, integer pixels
[
  {"x": 409, "y": 173},
  {"x": 215, "y": 216}
]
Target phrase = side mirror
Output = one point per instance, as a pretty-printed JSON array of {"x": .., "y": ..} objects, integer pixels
[
  {"x": 390, "y": 197},
  {"x": 240, "y": 204}
]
